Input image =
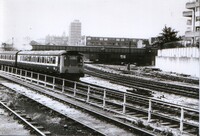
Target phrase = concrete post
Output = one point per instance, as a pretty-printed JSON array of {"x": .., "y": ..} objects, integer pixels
[
  {"x": 25, "y": 75},
  {"x": 16, "y": 71},
  {"x": 149, "y": 111},
  {"x": 181, "y": 119},
  {"x": 12, "y": 70},
  {"x": 53, "y": 83},
  {"x": 20, "y": 73},
  {"x": 74, "y": 89},
  {"x": 63, "y": 86},
  {"x": 31, "y": 76},
  {"x": 104, "y": 98},
  {"x": 38, "y": 77},
  {"x": 45, "y": 80},
  {"x": 124, "y": 104},
  {"x": 88, "y": 94}
]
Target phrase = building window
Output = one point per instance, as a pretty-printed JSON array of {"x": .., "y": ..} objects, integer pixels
[
  {"x": 198, "y": 18},
  {"x": 197, "y": 8}
]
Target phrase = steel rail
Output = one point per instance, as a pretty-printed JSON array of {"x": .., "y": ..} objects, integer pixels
[{"x": 37, "y": 131}]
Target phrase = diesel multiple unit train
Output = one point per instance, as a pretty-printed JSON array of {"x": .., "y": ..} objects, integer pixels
[{"x": 61, "y": 62}]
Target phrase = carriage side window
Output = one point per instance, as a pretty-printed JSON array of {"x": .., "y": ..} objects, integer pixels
[
  {"x": 40, "y": 59},
  {"x": 45, "y": 60},
  {"x": 48, "y": 60},
  {"x": 28, "y": 58},
  {"x": 54, "y": 60},
  {"x": 34, "y": 58},
  {"x": 31, "y": 59}
]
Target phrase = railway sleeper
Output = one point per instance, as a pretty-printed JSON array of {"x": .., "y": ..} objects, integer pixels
[
  {"x": 173, "y": 126},
  {"x": 131, "y": 113},
  {"x": 33, "y": 123},
  {"x": 139, "y": 115},
  {"x": 192, "y": 131},
  {"x": 165, "y": 123},
  {"x": 40, "y": 127},
  {"x": 46, "y": 133}
]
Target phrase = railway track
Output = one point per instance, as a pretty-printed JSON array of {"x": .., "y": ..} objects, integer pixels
[
  {"x": 88, "y": 109},
  {"x": 25, "y": 120},
  {"x": 144, "y": 84},
  {"x": 152, "y": 73},
  {"x": 126, "y": 106}
]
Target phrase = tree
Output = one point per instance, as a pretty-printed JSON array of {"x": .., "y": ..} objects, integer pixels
[{"x": 168, "y": 35}]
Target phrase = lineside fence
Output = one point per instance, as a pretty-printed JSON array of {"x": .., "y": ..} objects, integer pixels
[{"x": 113, "y": 100}]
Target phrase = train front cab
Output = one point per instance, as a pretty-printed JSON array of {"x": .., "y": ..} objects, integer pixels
[{"x": 72, "y": 64}]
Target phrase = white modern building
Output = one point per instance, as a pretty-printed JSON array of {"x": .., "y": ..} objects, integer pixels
[
  {"x": 193, "y": 23},
  {"x": 75, "y": 33}
]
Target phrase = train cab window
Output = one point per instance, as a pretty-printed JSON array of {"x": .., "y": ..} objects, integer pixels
[{"x": 66, "y": 61}]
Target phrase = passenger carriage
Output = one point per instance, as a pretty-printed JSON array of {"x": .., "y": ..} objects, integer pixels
[
  {"x": 8, "y": 58},
  {"x": 59, "y": 62}
]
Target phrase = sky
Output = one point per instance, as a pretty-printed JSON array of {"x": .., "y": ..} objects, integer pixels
[{"x": 106, "y": 18}]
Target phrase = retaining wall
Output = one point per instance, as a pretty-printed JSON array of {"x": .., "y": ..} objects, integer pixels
[{"x": 179, "y": 60}]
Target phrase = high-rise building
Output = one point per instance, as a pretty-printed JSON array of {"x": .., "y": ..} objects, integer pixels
[
  {"x": 75, "y": 33},
  {"x": 193, "y": 30}
]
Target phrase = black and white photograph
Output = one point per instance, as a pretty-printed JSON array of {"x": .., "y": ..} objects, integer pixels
[{"x": 99, "y": 67}]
